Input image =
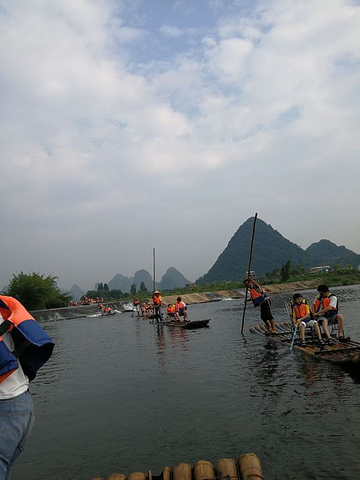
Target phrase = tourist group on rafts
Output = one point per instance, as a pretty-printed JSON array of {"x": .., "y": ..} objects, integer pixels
[
  {"x": 176, "y": 313},
  {"x": 315, "y": 328}
]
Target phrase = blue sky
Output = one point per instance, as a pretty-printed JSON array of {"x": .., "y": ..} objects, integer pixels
[{"x": 133, "y": 125}]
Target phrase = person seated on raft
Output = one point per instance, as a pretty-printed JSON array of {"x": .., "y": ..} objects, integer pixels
[
  {"x": 326, "y": 310},
  {"x": 181, "y": 310},
  {"x": 149, "y": 310},
  {"x": 170, "y": 312},
  {"x": 302, "y": 319}
]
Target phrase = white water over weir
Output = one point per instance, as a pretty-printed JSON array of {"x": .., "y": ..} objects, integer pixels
[{"x": 79, "y": 311}]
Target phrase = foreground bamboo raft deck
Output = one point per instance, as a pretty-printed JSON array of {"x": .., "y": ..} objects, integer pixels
[{"x": 246, "y": 468}]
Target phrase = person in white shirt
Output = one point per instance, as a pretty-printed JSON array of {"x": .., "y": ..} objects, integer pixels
[
  {"x": 24, "y": 348},
  {"x": 16, "y": 414}
]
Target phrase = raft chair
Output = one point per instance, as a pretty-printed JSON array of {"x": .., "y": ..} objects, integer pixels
[{"x": 333, "y": 330}]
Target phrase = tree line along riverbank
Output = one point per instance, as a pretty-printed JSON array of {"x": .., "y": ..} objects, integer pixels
[{"x": 189, "y": 298}]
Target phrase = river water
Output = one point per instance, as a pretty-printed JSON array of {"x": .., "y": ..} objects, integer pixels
[{"x": 121, "y": 395}]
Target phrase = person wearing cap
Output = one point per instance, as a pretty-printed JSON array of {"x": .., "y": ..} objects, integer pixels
[
  {"x": 260, "y": 299},
  {"x": 301, "y": 318},
  {"x": 157, "y": 306}
]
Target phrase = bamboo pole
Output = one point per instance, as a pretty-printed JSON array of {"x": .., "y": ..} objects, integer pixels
[
  {"x": 182, "y": 471},
  {"x": 203, "y": 470},
  {"x": 226, "y": 469},
  {"x": 154, "y": 271},
  {"x": 249, "y": 467},
  {"x": 137, "y": 476},
  {"x": 166, "y": 473},
  {"x": 248, "y": 271}
]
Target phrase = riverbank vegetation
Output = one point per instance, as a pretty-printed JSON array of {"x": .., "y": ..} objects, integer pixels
[
  {"x": 286, "y": 274},
  {"x": 37, "y": 292}
]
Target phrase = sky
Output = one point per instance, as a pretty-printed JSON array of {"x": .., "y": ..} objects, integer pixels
[{"x": 133, "y": 125}]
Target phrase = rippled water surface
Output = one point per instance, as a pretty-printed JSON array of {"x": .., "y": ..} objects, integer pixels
[{"x": 123, "y": 395}]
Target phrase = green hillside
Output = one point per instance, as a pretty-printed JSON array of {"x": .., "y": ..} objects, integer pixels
[
  {"x": 172, "y": 279},
  {"x": 271, "y": 251},
  {"x": 327, "y": 253}
]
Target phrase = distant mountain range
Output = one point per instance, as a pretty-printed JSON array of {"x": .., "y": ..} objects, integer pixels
[
  {"x": 171, "y": 279},
  {"x": 270, "y": 251}
]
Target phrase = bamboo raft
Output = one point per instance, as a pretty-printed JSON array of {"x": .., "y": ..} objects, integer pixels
[
  {"x": 346, "y": 355},
  {"x": 186, "y": 325},
  {"x": 247, "y": 467},
  {"x": 189, "y": 325}
]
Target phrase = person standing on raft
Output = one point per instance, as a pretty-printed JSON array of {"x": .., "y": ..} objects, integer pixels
[
  {"x": 157, "y": 306},
  {"x": 260, "y": 299},
  {"x": 136, "y": 306}
]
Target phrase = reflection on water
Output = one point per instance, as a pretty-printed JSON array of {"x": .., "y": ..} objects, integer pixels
[{"x": 123, "y": 395}]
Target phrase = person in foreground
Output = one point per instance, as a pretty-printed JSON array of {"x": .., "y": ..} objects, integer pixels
[
  {"x": 301, "y": 318},
  {"x": 325, "y": 309},
  {"x": 259, "y": 298},
  {"x": 24, "y": 348}
]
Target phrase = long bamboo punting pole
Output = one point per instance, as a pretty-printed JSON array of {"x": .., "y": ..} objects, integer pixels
[
  {"x": 154, "y": 270},
  {"x": 248, "y": 271}
]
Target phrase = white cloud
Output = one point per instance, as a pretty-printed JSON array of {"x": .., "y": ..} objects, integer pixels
[
  {"x": 171, "y": 31},
  {"x": 227, "y": 60},
  {"x": 90, "y": 135}
]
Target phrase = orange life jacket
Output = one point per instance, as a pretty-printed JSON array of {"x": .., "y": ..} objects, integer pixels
[
  {"x": 180, "y": 305},
  {"x": 321, "y": 303},
  {"x": 157, "y": 300},
  {"x": 171, "y": 309},
  {"x": 300, "y": 310},
  {"x": 256, "y": 297},
  {"x": 33, "y": 346}
]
